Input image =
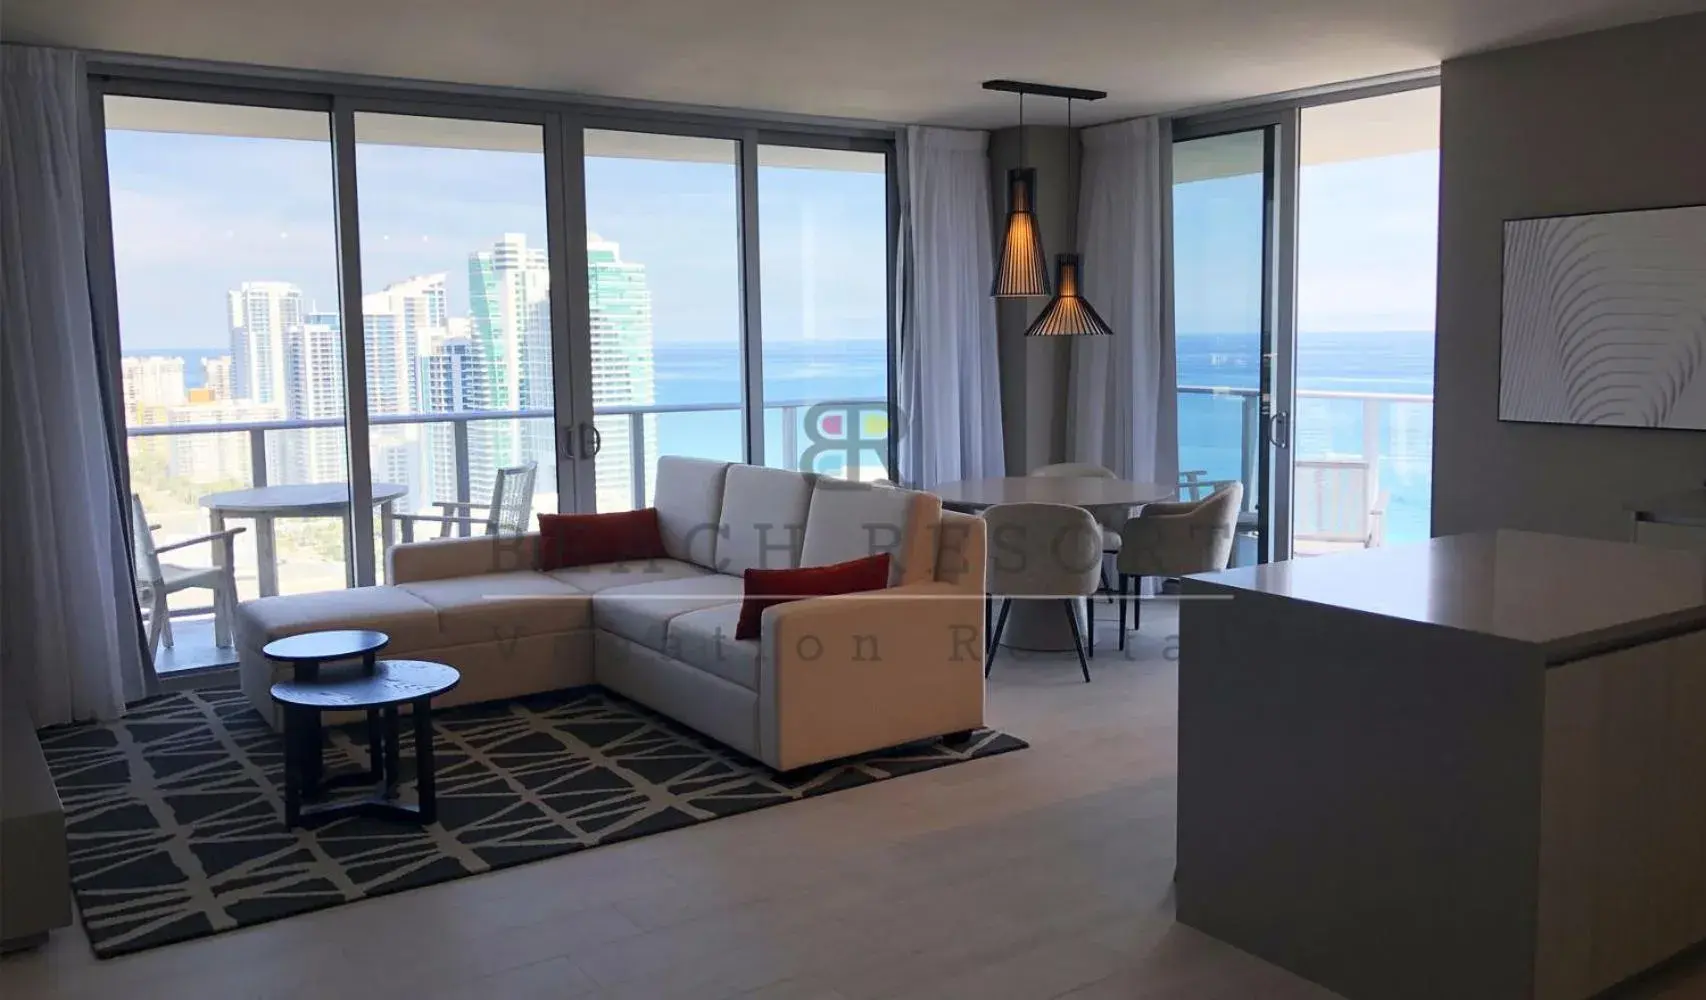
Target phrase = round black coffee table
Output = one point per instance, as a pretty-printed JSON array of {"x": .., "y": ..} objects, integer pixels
[
  {"x": 306, "y": 654},
  {"x": 392, "y": 684}
]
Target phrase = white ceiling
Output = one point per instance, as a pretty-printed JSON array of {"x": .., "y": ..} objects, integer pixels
[{"x": 879, "y": 60}]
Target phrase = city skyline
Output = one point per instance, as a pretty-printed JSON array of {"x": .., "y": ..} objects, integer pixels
[
  {"x": 195, "y": 215},
  {"x": 284, "y": 360}
]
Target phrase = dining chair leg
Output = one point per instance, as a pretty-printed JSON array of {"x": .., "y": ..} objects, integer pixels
[
  {"x": 1090, "y": 622},
  {"x": 1136, "y": 603},
  {"x": 994, "y": 643},
  {"x": 1124, "y": 579},
  {"x": 1077, "y": 638},
  {"x": 1106, "y": 586}
]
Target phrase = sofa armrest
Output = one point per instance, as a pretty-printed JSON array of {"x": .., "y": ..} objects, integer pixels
[
  {"x": 447, "y": 558},
  {"x": 858, "y": 672}
]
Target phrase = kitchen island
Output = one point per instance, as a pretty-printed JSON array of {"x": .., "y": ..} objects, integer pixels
[{"x": 1473, "y": 767}]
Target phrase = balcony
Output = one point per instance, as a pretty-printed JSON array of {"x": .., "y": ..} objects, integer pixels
[
  {"x": 433, "y": 455},
  {"x": 1336, "y": 436}
]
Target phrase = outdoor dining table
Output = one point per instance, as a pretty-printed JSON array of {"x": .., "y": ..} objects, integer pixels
[{"x": 266, "y": 504}]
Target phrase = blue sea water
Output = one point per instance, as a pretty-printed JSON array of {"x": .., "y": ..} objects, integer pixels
[{"x": 1210, "y": 433}]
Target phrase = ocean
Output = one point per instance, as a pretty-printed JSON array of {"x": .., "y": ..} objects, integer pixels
[{"x": 1209, "y": 424}]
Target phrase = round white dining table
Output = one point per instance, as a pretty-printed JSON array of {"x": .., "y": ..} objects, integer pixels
[
  {"x": 1038, "y": 626},
  {"x": 266, "y": 504}
]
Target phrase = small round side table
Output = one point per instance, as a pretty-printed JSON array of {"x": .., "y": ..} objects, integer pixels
[{"x": 380, "y": 693}]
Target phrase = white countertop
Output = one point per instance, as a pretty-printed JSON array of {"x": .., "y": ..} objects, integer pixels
[{"x": 1567, "y": 595}]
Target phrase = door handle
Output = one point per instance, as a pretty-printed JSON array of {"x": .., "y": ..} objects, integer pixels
[
  {"x": 592, "y": 440},
  {"x": 566, "y": 441},
  {"x": 1279, "y": 430}
]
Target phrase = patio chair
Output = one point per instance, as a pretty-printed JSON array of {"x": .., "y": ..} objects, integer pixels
[
  {"x": 510, "y": 511},
  {"x": 156, "y": 581}
]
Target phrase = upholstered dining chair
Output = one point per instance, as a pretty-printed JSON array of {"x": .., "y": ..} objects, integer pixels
[
  {"x": 509, "y": 513},
  {"x": 1110, "y": 520},
  {"x": 1176, "y": 539},
  {"x": 1042, "y": 551}
]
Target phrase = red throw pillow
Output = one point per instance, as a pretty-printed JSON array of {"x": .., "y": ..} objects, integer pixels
[
  {"x": 765, "y": 587},
  {"x": 585, "y": 539}
]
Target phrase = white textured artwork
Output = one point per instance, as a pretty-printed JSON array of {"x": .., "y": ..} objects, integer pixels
[{"x": 1605, "y": 320}]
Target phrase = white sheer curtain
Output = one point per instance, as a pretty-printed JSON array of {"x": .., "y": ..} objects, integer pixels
[
  {"x": 1124, "y": 408},
  {"x": 70, "y": 631},
  {"x": 949, "y": 382}
]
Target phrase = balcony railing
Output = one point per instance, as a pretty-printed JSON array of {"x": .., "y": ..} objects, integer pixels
[
  {"x": 1390, "y": 434},
  {"x": 710, "y": 430}
]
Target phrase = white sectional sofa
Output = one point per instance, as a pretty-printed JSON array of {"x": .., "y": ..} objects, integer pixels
[{"x": 828, "y": 677}]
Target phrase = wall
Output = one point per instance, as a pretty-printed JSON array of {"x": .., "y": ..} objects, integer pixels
[
  {"x": 1034, "y": 370},
  {"x": 1599, "y": 122}
]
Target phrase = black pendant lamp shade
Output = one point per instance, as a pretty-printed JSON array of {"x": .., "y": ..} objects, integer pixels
[
  {"x": 1022, "y": 269},
  {"x": 1068, "y": 314}
]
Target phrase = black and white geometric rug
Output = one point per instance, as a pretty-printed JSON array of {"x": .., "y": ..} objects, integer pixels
[{"x": 175, "y": 814}]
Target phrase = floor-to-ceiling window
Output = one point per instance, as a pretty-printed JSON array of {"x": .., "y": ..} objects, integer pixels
[
  {"x": 1368, "y": 219},
  {"x": 823, "y": 240},
  {"x": 456, "y": 316},
  {"x": 225, "y": 249},
  {"x": 736, "y": 305},
  {"x": 1303, "y": 249},
  {"x": 665, "y": 307}
]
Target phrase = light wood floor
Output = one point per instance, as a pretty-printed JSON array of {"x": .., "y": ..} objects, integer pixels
[{"x": 1040, "y": 874}]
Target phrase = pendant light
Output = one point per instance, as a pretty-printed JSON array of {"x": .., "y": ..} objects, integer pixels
[
  {"x": 1068, "y": 314},
  {"x": 1021, "y": 270}
]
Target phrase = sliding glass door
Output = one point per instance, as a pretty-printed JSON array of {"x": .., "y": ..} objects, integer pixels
[
  {"x": 1226, "y": 321},
  {"x": 1303, "y": 257},
  {"x": 1367, "y": 242},
  {"x": 456, "y": 322},
  {"x": 226, "y": 255},
  {"x": 823, "y": 241},
  {"x": 663, "y": 275}
]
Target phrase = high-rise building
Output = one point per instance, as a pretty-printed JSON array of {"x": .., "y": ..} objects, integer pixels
[
  {"x": 313, "y": 368},
  {"x": 395, "y": 322},
  {"x": 217, "y": 377},
  {"x": 261, "y": 313},
  {"x": 156, "y": 380},
  {"x": 512, "y": 333},
  {"x": 211, "y": 460},
  {"x": 454, "y": 381},
  {"x": 623, "y": 368}
]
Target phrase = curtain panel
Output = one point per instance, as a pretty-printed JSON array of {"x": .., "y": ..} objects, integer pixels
[
  {"x": 1124, "y": 402},
  {"x": 70, "y": 630},
  {"x": 949, "y": 379}
]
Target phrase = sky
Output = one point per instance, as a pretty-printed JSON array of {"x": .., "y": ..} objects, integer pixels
[
  {"x": 1367, "y": 242},
  {"x": 195, "y": 216}
]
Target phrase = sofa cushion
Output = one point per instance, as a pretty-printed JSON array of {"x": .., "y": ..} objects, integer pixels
[
  {"x": 689, "y": 499},
  {"x": 592, "y": 579},
  {"x": 499, "y": 606},
  {"x": 706, "y": 639},
  {"x": 589, "y": 539},
  {"x": 764, "y": 588},
  {"x": 410, "y": 622},
  {"x": 855, "y": 520},
  {"x": 641, "y": 612},
  {"x": 764, "y": 519}
]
